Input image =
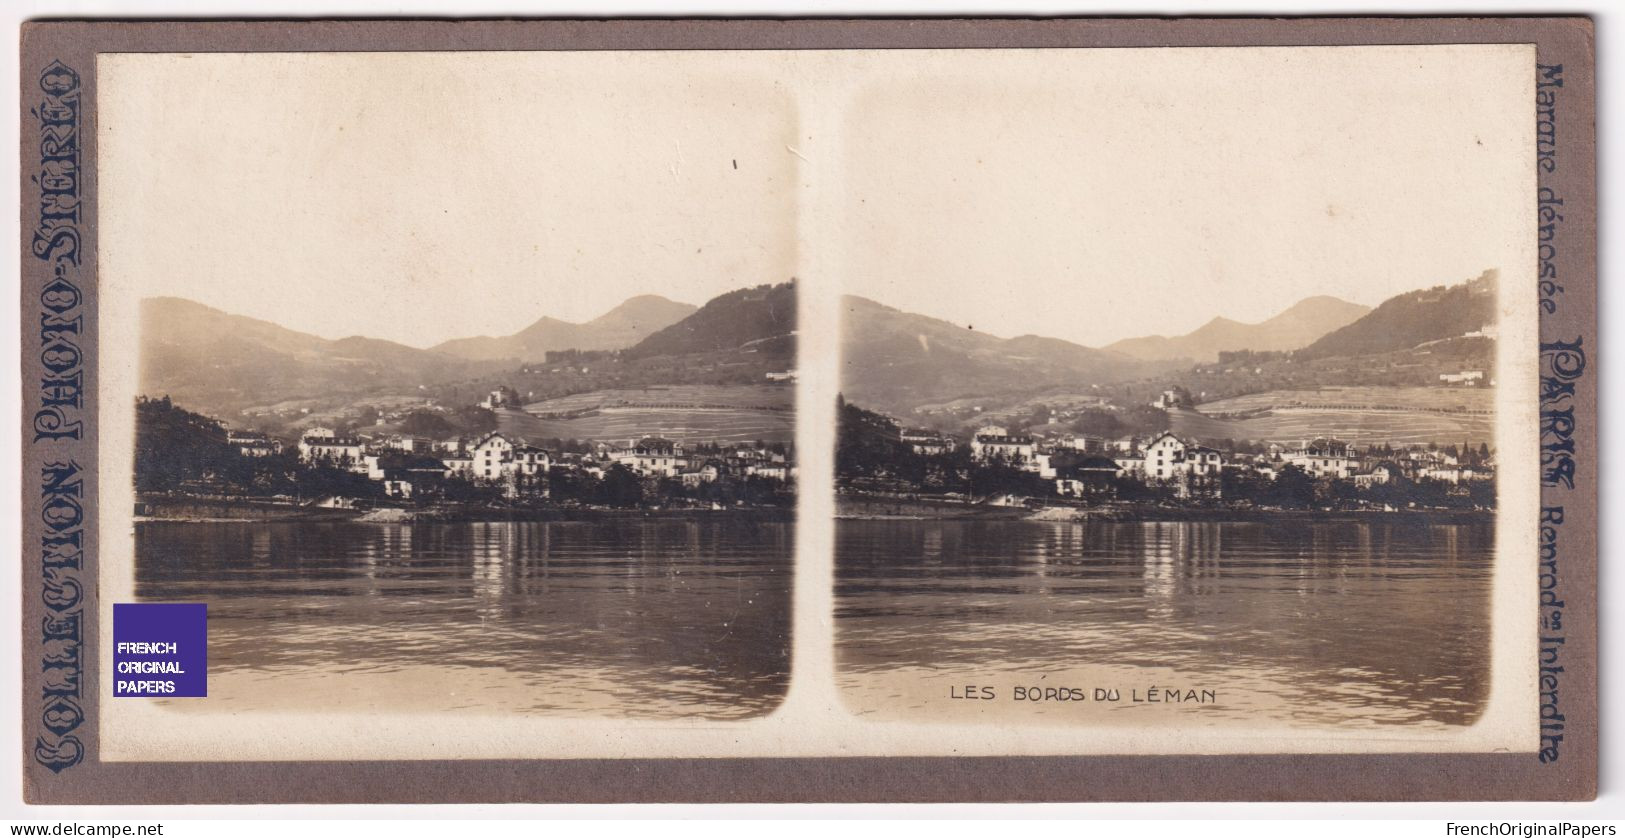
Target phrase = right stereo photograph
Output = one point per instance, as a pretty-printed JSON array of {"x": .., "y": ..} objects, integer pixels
[{"x": 1175, "y": 402}]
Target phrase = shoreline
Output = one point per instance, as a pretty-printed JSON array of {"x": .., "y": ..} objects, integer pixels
[
  {"x": 1199, "y": 515},
  {"x": 849, "y": 508},
  {"x": 205, "y": 511}
]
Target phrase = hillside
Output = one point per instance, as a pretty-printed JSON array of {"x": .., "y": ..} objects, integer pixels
[
  {"x": 1295, "y": 328},
  {"x": 219, "y": 363},
  {"x": 896, "y": 361},
  {"x": 1364, "y": 415},
  {"x": 622, "y": 327},
  {"x": 683, "y": 412},
  {"x": 1413, "y": 319},
  {"x": 762, "y": 319}
]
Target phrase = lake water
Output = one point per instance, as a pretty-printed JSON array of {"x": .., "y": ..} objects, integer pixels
[
  {"x": 640, "y": 618},
  {"x": 1302, "y": 623}
]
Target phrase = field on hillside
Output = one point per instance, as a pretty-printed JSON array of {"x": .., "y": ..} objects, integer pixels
[
  {"x": 1363, "y": 415},
  {"x": 686, "y": 413},
  {"x": 683, "y": 396},
  {"x": 1402, "y": 398}
]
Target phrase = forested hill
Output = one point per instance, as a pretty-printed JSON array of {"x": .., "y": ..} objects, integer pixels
[
  {"x": 1412, "y": 319},
  {"x": 865, "y": 441},
  {"x": 763, "y": 317}
]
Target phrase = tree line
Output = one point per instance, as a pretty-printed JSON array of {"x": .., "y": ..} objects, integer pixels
[
  {"x": 181, "y": 452},
  {"x": 871, "y": 456}
]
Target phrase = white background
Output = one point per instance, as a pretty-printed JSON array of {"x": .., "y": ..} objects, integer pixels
[{"x": 1418, "y": 819}]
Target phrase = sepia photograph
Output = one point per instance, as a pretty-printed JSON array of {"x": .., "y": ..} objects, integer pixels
[
  {"x": 1177, "y": 402},
  {"x": 436, "y": 430}
]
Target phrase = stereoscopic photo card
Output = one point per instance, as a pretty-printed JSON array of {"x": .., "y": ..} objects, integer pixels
[{"x": 811, "y": 410}]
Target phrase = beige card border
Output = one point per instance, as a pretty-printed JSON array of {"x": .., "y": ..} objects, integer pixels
[{"x": 60, "y": 678}]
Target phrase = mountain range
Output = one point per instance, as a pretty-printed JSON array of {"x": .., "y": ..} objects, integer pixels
[
  {"x": 1295, "y": 328},
  {"x": 895, "y": 360},
  {"x": 623, "y": 327},
  {"x": 219, "y": 363}
]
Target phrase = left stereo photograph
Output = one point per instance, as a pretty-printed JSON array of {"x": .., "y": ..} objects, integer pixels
[{"x": 434, "y": 422}]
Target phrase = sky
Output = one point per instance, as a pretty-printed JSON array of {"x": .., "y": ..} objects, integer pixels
[
  {"x": 1142, "y": 192},
  {"x": 423, "y": 197},
  {"x": 1090, "y": 195}
]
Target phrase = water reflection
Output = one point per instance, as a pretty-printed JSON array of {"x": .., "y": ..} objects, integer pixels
[
  {"x": 1314, "y": 623},
  {"x": 652, "y": 619}
]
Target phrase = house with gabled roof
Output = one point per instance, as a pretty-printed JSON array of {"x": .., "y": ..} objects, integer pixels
[
  {"x": 652, "y": 456},
  {"x": 1325, "y": 457},
  {"x": 994, "y": 442}
]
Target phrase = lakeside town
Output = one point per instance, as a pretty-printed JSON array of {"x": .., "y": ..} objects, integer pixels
[
  {"x": 1327, "y": 407},
  {"x": 654, "y": 407},
  {"x": 192, "y": 465},
  {"x": 886, "y": 468}
]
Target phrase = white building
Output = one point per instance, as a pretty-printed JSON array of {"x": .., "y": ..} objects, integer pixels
[
  {"x": 1171, "y": 399},
  {"x": 498, "y": 456},
  {"x": 1204, "y": 462},
  {"x": 1380, "y": 475},
  {"x": 491, "y": 455},
  {"x": 700, "y": 475},
  {"x": 501, "y": 397},
  {"x": 1168, "y": 457},
  {"x": 770, "y": 470},
  {"x": 334, "y": 451},
  {"x": 1468, "y": 377},
  {"x": 251, "y": 444},
  {"x": 652, "y": 457},
  {"x": 993, "y": 442},
  {"x": 409, "y": 444},
  {"x": 1124, "y": 445},
  {"x": 1162, "y": 458},
  {"x": 529, "y": 461},
  {"x": 1084, "y": 444},
  {"x": 1455, "y": 474},
  {"x": 1325, "y": 457},
  {"x": 927, "y": 442}
]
